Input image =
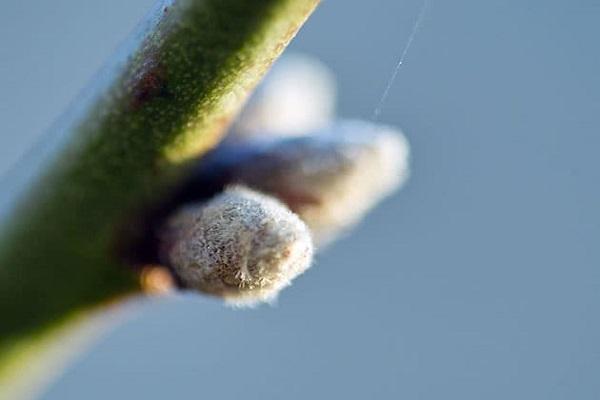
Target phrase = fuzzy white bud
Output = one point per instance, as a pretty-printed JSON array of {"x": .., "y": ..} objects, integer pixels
[
  {"x": 297, "y": 96},
  {"x": 240, "y": 245},
  {"x": 331, "y": 178}
]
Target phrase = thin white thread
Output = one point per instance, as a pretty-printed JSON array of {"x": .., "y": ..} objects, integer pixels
[{"x": 413, "y": 33}]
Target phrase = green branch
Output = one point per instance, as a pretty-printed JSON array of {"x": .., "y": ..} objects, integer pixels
[{"x": 165, "y": 100}]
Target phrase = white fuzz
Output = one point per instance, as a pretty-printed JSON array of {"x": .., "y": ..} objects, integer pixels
[
  {"x": 241, "y": 245},
  {"x": 297, "y": 96},
  {"x": 330, "y": 179}
]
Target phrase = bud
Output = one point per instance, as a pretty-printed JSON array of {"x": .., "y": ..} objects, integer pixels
[
  {"x": 240, "y": 245},
  {"x": 297, "y": 96},
  {"x": 330, "y": 178}
]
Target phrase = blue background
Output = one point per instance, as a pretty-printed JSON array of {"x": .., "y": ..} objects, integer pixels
[{"x": 480, "y": 280}]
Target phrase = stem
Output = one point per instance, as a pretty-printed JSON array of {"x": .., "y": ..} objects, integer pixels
[{"x": 163, "y": 101}]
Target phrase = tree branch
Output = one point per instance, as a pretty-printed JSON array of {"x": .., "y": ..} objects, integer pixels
[{"x": 163, "y": 101}]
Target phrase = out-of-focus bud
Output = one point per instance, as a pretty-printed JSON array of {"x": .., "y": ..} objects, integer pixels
[
  {"x": 297, "y": 96},
  {"x": 240, "y": 245},
  {"x": 329, "y": 178}
]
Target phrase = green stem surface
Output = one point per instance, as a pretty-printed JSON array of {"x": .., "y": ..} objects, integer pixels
[{"x": 165, "y": 100}]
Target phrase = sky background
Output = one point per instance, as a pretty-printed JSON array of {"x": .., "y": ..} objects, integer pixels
[{"x": 479, "y": 280}]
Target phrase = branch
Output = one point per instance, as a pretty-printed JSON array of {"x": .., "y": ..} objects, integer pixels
[{"x": 164, "y": 101}]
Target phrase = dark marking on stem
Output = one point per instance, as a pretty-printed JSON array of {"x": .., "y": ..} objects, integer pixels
[{"x": 150, "y": 84}]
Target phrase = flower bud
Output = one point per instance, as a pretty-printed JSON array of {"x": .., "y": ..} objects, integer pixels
[
  {"x": 330, "y": 178},
  {"x": 296, "y": 97},
  {"x": 240, "y": 245}
]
